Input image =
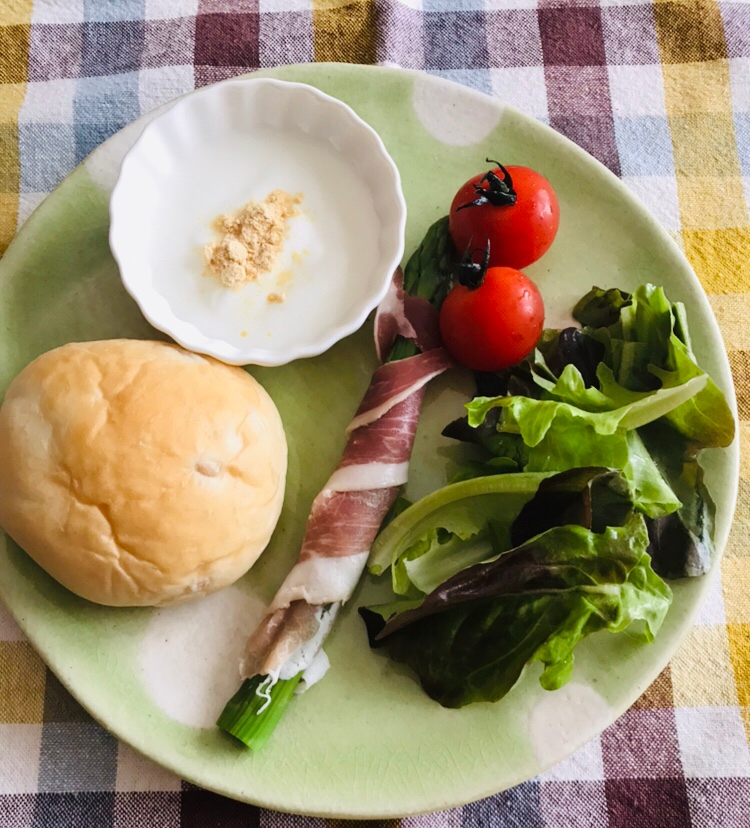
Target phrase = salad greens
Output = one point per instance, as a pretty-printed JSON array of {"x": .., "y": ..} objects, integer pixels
[
  {"x": 470, "y": 638},
  {"x": 603, "y": 438},
  {"x": 648, "y": 346},
  {"x": 682, "y": 542},
  {"x": 587, "y": 491},
  {"x": 646, "y": 380},
  {"x": 424, "y": 542}
]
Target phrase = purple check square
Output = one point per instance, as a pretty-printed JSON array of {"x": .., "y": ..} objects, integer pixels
[
  {"x": 74, "y": 809},
  {"x": 736, "y": 20},
  {"x": 16, "y": 810},
  {"x": 513, "y": 38},
  {"x": 111, "y": 48},
  {"x": 55, "y": 52},
  {"x": 455, "y": 40},
  {"x": 719, "y": 803},
  {"x": 227, "y": 40},
  {"x": 572, "y": 36},
  {"x": 286, "y": 37},
  {"x": 168, "y": 42},
  {"x": 630, "y": 35},
  {"x": 574, "y": 804},
  {"x": 199, "y": 809},
  {"x": 637, "y": 803},
  {"x": 578, "y": 90},
  {"x": 642, "y": 743},
  {"x": 155, "y": 809},
  {"x": 594, "y": 133},
  {"x": 401, "y": 35}
]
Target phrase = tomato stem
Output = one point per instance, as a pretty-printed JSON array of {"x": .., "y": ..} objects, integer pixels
[
  {"x": 499, "y": 192},
  {"x": 470, "y": 273}
]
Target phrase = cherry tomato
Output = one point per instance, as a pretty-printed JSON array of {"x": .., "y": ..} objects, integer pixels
[
  {"x": 514, "y": 207},
  {"x": 494, "y": 325}
]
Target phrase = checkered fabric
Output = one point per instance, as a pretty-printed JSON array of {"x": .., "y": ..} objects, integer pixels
[{"x": 658, "y": 91}]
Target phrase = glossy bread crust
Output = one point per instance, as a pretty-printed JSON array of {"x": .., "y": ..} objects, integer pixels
[{"x": 137, "y": 473}]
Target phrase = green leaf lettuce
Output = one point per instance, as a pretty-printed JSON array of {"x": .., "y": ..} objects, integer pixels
[
  {"x": 647, "y": 346},
  {"x": 470, "y": 639}
]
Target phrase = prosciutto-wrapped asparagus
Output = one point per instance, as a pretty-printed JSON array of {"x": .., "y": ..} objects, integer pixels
[{"x": 344, "y": 518}]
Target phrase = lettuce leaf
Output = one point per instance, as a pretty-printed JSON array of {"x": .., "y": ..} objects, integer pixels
[
  {"x": 633, "y": 360},
  {"x": 470, "y": 638},
  {"x": 682, "y": 543},
  {"x": 647, "y": 346},
  {"x": 476, "y": 514},
  {"x": 467, "y": 523},
  {"x": 607, "y": 410},
  {"x": 557, "y": 436},
  {"x": 592, "y": 497},
  {"x": 601, "y": 308}
]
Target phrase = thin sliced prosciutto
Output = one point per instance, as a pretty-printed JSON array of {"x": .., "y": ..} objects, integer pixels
[
  {"x": 394, "y": 382},
  {"x": 413, "y": 317},
  {"x": 347, "y": 513}
]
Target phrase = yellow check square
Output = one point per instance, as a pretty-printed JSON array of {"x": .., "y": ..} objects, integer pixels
[
  {"x": 702, "y": 673},
  {"x": 721, "y": 258},
  {"x": 735, "y": 578},
  {"x": 8, "y": 216},
  {"x": 22, "y": 676},
  {"x": 739, "y": 649},
  {"x": 13, "y": 12},
  {"x": 344, "y": 31}
]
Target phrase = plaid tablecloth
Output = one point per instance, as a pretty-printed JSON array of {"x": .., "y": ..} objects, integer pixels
[{"x": 658, "y": 91}]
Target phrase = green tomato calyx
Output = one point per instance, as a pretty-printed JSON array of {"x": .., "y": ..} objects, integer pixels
[
  {"x": 471, "y": 273},
  {"x": 499, "y": 192}
]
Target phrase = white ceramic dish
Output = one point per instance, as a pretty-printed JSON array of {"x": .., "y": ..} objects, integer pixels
[{"x": 210, "y": 154}]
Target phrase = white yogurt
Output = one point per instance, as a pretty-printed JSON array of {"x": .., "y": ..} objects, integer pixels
[
  {"x": 324, "y": 242},
  {"x": 211, "y": 153}
]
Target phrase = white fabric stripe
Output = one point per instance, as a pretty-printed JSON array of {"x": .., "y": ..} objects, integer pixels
[
  {"x": 137, "y": 773},
  {"x": 20, "y": 750},
  {"x": 712, "y": 742},
  {"x": 320, "y": 580},
  {"x": 366, "y": 476}
]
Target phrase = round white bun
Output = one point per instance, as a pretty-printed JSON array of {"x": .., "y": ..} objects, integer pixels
[{"x": 137, "y": 473}]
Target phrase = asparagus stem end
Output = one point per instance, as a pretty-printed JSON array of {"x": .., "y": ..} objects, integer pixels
[{"x": 250, "y": 716}]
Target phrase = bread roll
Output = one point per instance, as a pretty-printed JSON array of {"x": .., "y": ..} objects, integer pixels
[{"x": 137, "y": 473}]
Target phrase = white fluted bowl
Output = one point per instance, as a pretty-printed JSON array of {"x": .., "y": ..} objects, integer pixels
[{"x": 209, "y": 154}]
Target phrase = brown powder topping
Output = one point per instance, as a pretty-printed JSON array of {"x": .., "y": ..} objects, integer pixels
[{"x": 251, "y": 238}]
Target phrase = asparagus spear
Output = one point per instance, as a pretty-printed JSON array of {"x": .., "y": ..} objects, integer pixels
[{"x": 251, "y": 715}]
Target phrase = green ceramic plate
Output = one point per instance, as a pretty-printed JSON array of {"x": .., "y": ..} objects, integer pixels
[{"x": 366, "y": 741}]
